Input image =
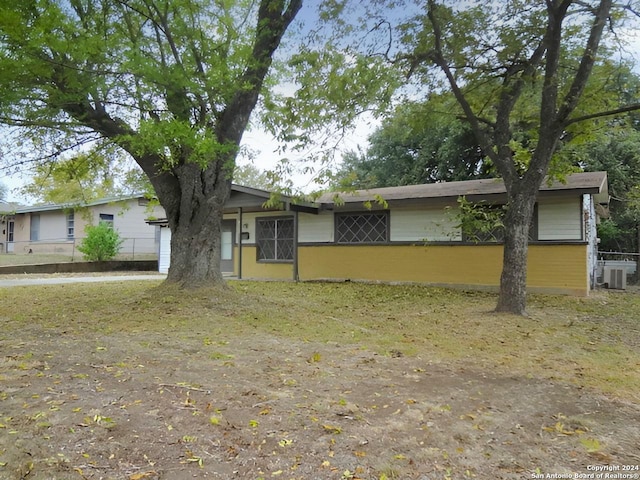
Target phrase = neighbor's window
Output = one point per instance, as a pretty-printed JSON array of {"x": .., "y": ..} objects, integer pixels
[
  {"x": 106, "y": 218},
  {"x": 274, "y": 239},
  {"x": 70, "y": 225},
  {"x": 34, "y": 232},
  {"x": 362, "y": 227}
]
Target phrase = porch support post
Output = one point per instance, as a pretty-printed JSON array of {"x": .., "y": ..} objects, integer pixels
[
  {"x": 296, "y": 277},
  {"x": 240, "y": 243}
]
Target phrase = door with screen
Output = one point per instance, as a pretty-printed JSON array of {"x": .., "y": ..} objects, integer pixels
[
  {"x": 10, "y": 233},
  {"x": 227, "y": 250}
]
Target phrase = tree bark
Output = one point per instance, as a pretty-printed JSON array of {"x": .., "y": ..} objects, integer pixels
[
  {"x": 513, "y": 280},
  {"x": 194, "y": 212}
]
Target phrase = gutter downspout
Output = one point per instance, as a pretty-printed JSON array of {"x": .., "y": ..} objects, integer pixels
[
  {"x": 240, "y": 243},
  {"x": 296, "y": 277}
]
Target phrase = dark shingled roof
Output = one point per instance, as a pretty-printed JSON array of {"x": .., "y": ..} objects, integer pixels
[{"x": 586, "y": 182}]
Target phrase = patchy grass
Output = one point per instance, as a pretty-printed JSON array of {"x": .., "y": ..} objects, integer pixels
[
  {"x": 42, "y": 258},
  {"x": 35, "y": 258},
  {"x": 318, "y": 381},
  {"x": 592, "y": 342}
]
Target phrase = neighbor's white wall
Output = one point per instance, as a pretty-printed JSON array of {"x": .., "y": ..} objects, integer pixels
[
  {"x": 591, "y": 233},
  {"x": 164, "y": 254},
  {"x": 129, "y": 219},
  {"x": 53, "y": 225},
  {"x": 560, "y": 219}
]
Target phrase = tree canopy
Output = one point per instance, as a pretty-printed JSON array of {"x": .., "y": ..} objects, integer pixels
[
  {"x": 520, "y": 73},
  {"x": 83, "y": 178},
  {"x": 421, "y": 142},
  {"x": 171, "y": 82}
]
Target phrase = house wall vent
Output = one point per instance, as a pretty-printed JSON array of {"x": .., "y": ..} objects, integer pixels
[{"x": 615, "y": 278}]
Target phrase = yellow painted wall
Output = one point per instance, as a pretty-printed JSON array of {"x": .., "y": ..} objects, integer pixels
[
  {"x": 551, "y": 268},
  {"x": 253, "y": 269}
]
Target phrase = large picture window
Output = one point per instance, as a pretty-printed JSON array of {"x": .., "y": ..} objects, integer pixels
[
  {"x": 274, "y": 239},
  {"x": 362, "y": 227}
]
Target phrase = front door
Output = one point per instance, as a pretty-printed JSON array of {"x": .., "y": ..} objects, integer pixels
[
  {"x": 10, "y": 230},
  {"x": 228, "y": 241}
]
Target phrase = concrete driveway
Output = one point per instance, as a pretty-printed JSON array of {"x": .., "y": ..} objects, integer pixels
[{"x": 19, "y": 282}]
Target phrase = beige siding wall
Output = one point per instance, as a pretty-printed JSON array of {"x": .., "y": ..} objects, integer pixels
[
  {"x": 52, "y": 235},
  {"x": 53, "y": 226},
  {"x": 432, "y": 225},
  {"x": 560, "y": 219},
  {"x": 129, "y": 220},
  {"x": 21, "y": 228},
  {"x": 315, "y": 228}
]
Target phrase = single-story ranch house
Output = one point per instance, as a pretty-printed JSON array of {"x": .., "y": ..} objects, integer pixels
[
  {"x": 411, "y": 236},
  {"x": 58, "y": 228}
]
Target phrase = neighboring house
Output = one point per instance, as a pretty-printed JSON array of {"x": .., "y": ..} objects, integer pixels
[
  {"x": 7, "y": 223},
  {"x": 55, "y": 228},
  {"x": 412, "y": 238}
]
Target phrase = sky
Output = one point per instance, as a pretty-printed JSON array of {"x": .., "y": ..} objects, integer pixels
[{"x": 265, "y": 148}]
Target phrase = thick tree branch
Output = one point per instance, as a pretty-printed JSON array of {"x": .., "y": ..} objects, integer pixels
[
  {"x": 626, "y": 109},
  {"x": 587, "y": 61},
  {"x": 437, "y": 57},
  {"x": 274, "y": 17}
]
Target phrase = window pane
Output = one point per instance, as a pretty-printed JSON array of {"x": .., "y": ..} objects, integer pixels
[
  {"x": 34, "y": 233},
  {"x": 70, "y": 225},
  {"x": 106, "y": 218},
  {"x": 227, "y": 246},
  {"x": 362, "y": 228},
  {"x": 265, "y": 239},
  {"x": 274, "y": 238}
]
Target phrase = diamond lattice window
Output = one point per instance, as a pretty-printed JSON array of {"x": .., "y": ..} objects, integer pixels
[
  {"x": 362, "y": 228},
  {"x": 274, "y": 239}
]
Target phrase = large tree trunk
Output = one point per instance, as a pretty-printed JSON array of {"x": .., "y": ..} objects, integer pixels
[
  {"x": 195, "y": 247},
  {"x": 194, "y": 211},
  {"x": 513, "y": 281}
]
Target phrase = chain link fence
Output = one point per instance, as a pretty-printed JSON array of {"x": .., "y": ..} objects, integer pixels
[
  {"x": 65, "y": 250},
  {"x": 627, "y": 261}
]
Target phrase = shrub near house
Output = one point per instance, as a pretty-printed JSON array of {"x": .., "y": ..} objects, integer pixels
[{"x": 102, "y": 242}]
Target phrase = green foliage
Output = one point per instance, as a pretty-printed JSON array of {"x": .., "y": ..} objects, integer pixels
[
  {"x": 251, "y": 176},
  {"x": 171, "y": 82},
  {"x": 609, "y": 233},
  {"x": 421, "y": 142},
  {"x": 83, "y": 178},
  {"x": 480, "y": 222},
  {"x": 615, "y": 148},
  {"x": 101, "y": 243}
]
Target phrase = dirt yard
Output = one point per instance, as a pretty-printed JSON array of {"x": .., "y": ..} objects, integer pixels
[{"x": 83, "y": 397}]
